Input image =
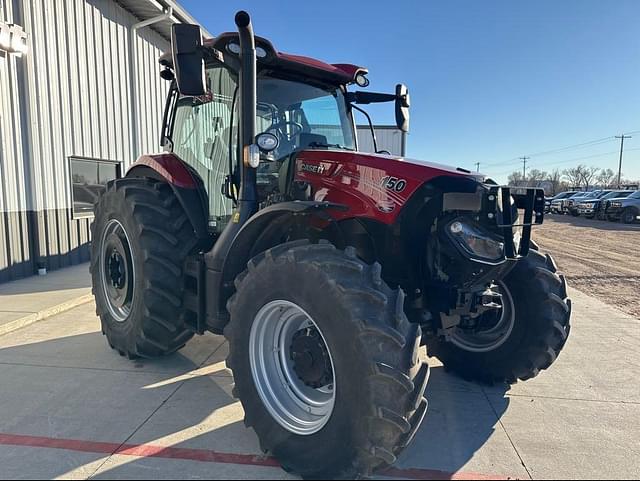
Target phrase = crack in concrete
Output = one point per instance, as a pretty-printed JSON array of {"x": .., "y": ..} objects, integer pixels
[{"x": 507, "y": 434}]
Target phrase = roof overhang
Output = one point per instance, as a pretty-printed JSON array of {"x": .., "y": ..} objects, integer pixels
[{"x": 146, "y": 9}]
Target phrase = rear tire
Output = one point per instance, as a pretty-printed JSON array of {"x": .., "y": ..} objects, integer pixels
[
  {"x": 379, "y": 380},
  {"x": 540, "y": 329},
  {"x": 141, "y": 237}
]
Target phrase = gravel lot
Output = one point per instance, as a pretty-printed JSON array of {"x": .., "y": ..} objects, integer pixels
[{"x": 599, "y": 258}]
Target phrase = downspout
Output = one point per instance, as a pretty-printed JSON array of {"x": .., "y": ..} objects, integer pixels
[{"x": 133, "y": 68}]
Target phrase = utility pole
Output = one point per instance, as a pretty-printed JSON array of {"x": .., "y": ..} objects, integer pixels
[
  {"x": 477, "y": 164},
  {"x": 621, "y": 137},
  {"x": 524, "y": 166}
]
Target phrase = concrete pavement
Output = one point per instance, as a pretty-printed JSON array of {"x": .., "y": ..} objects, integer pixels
[
  {"x": 30, "y": 300},
  {"x": 70, "y": 407}
]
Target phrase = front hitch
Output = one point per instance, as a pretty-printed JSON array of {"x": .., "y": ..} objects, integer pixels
[{"x": 499, "y": 203}]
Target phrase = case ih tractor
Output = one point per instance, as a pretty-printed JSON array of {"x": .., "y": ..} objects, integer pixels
[{"x": 325, "y": 268}]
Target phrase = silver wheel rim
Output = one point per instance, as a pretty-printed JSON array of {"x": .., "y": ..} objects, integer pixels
[
  {"x": 297, "y": 407},
  {"x": 115, "y": 243},
  {"x": 494, "y": 337}
]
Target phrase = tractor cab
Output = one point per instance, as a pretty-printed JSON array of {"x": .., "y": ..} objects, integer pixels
[{"x": 302, "y": 104}]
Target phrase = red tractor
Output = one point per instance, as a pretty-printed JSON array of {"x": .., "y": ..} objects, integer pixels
[{"x": 325, "y": 268}]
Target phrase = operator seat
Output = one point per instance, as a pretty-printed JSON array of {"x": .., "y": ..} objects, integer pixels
[{"x": 287, "y": 169}]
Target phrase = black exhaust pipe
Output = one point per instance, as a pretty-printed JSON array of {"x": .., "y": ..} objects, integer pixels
[
  {"x": 248, "y": 198},
  {"x": 217, "y": 290}
]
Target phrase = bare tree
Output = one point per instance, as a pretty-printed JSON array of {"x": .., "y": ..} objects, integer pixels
[
  {"x": 607, "y": 178},
  {"x": 516, "y": 178},
  {"x": 536, "y": 176},
  {"x": 589, "y": 174},
  {"x": 555, "y": 179},
  {"x": 574, "y": 176}
]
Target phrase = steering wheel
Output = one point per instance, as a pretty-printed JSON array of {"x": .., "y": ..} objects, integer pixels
[{"x": 279, "y": 126}]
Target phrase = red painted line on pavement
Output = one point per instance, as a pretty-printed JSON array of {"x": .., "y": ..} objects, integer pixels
[
  {"x": 207, "y": 456},
  {"x": 440, "y": 475}
]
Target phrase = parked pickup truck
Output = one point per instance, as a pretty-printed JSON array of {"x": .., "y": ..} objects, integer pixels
[
  {"x": 591, "y": 208},
  {"x": 570, "y": 204},
  {"x": 555, "y": 206},
  {"x": 625, "y": 209}
]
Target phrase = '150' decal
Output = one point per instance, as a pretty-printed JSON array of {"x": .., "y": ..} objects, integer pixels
[{"x": 393, "y": 183}]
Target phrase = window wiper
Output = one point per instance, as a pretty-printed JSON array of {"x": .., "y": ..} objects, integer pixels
[{"x": 334, "y": 146}]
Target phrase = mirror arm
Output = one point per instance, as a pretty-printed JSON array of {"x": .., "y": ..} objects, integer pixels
[
  {"x": 365, "y": 98},
  {"x": 373, "y": 131}
]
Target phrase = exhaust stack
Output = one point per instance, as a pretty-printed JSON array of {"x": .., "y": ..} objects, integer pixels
[{"x": 247, "y": 199}]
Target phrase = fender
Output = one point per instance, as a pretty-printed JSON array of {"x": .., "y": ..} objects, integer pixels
[
  {"x": 186, "y": 184},
  {"x": 264, "y": 230}
]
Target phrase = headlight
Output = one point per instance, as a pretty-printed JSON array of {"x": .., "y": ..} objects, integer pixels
[{"x": 476, "y": 242}]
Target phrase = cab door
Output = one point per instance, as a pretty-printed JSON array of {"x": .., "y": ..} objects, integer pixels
[{"x": 204, "y": 135}]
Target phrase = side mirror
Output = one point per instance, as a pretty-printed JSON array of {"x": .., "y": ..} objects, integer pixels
[
  {"x": 188, "y": 61},
  {"x": 403, "y": 102}
]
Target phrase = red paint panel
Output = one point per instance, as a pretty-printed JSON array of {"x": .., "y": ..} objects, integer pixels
[
  {"x": 311, "y": 62},
  {"x": 171, "y": 167},
  {"x": 358, "y": 180},
  {"x": 350, "y": 69}
]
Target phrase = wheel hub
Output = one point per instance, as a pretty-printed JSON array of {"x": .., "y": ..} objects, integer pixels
[
  {"x": 117, "y": 272},
  {"x": 292, "y": 367},
  {"x": 492, "y": 328},
  {"x": 310, "y": 358}
]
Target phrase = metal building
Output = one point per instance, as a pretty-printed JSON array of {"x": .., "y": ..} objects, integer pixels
[
  {"x": 388, "y": 137},
  {"x": 80, "y": 97}
]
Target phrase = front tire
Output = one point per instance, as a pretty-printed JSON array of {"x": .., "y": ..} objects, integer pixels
[
  {"x": 541, "y": 326},
  {"x": 629, "y": 215},
  {"x": 362, "y": 350},
  {"x": 141, "y": 237}
]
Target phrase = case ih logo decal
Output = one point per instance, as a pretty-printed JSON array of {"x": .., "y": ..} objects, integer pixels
[
  {"x": 393, "y": 183},
  {"x": 313, "y": 168}
]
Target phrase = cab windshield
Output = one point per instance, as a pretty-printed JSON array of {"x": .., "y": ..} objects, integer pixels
[{"x": 303, "y": 116}]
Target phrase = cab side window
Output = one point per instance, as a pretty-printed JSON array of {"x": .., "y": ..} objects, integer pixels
[{"x": 205, "y": 138}]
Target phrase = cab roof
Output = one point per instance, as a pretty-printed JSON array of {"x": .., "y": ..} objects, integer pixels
[{"x": 337, "y": 73}]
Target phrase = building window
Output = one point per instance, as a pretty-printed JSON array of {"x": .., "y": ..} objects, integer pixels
[{"x": 89, "y": 179}]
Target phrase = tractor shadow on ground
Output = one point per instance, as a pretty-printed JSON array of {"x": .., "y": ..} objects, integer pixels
[
  {"x": 184, "y": 401},
  {"x": 461, "y": 419}
]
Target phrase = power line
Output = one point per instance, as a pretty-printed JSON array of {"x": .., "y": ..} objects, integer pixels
[
  {"x": 575, "y": 159},
  {"x": 589, "y": 143}
]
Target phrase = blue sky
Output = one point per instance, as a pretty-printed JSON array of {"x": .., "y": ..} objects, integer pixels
[{"x": 490, "y": 81}]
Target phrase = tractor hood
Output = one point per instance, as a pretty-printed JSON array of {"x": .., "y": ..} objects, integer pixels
[
  {"x": 419, "y": 170},
  {"x": 372, "y": 185}
]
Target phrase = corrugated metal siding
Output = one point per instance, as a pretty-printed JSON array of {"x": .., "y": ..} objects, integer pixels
[
  {"x": 388, "y": 138},
  {"x": 14, "y": 243},
  {"x": 76, "y": 102}
]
